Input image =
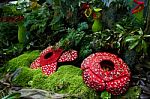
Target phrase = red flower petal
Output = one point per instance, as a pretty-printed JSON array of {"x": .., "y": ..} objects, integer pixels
[
  {"x": 49, "y": 69},
  {"x": 87, "y": 62},
  {"x": 68, "y": 56},
  {"x": 92, "y": 81},
  {"x": 35, "y": 64},
  {"x": 118, "y": 86},
  {"x": 138, "y": 9}
]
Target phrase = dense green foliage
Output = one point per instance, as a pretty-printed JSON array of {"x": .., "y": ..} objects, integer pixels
[
  {"x": 57, "y": 20},
  {"x": 7, "y": 30}
]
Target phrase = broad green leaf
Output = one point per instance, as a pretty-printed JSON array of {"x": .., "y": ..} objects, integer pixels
[
  {"x": 133, "y": 45},
  {"x": 130, "y": 38},
  {"x": 146, "y": 35},
  {"x": 144, "y": 45},
  {"x": 120, "y": 27},
  {"x": 97, "y": 9},
  {"x": 118, "y": 44}
]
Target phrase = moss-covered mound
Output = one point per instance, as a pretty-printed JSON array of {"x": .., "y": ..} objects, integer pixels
[
  {"x": 25, "y": 75},
  {"x": 23, "y": 60}
]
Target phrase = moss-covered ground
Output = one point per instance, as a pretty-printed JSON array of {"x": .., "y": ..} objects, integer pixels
[{"x": 66, "y": 80}]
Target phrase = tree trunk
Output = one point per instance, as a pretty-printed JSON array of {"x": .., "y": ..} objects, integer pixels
[{"x": 147, "y": 28}]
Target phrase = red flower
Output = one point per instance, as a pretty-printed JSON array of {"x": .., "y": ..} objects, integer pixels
[
  {"x": 49, "y": 57},
  {"x": 106, "y": 71},
  {"x": 139, "y": 7}
]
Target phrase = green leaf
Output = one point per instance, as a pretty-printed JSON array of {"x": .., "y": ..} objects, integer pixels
[
  {"x": 12, "y": 96},
  {"x": 133, "y": 45},
  {"x": 130, "y": 38},
  {"x": 144, "y": 45},
  {"x": 140, "y": 31},
  {"x": 119, "y": 27},
  {"x": 146, "y": 35}
]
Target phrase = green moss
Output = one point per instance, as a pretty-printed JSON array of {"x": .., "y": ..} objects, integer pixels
[
  {"x": 23, "y": 60},
  {"x": 25, "y": 75},
  {"x": 39, "y": 81},
  {"x": 67, "y": 79}
]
